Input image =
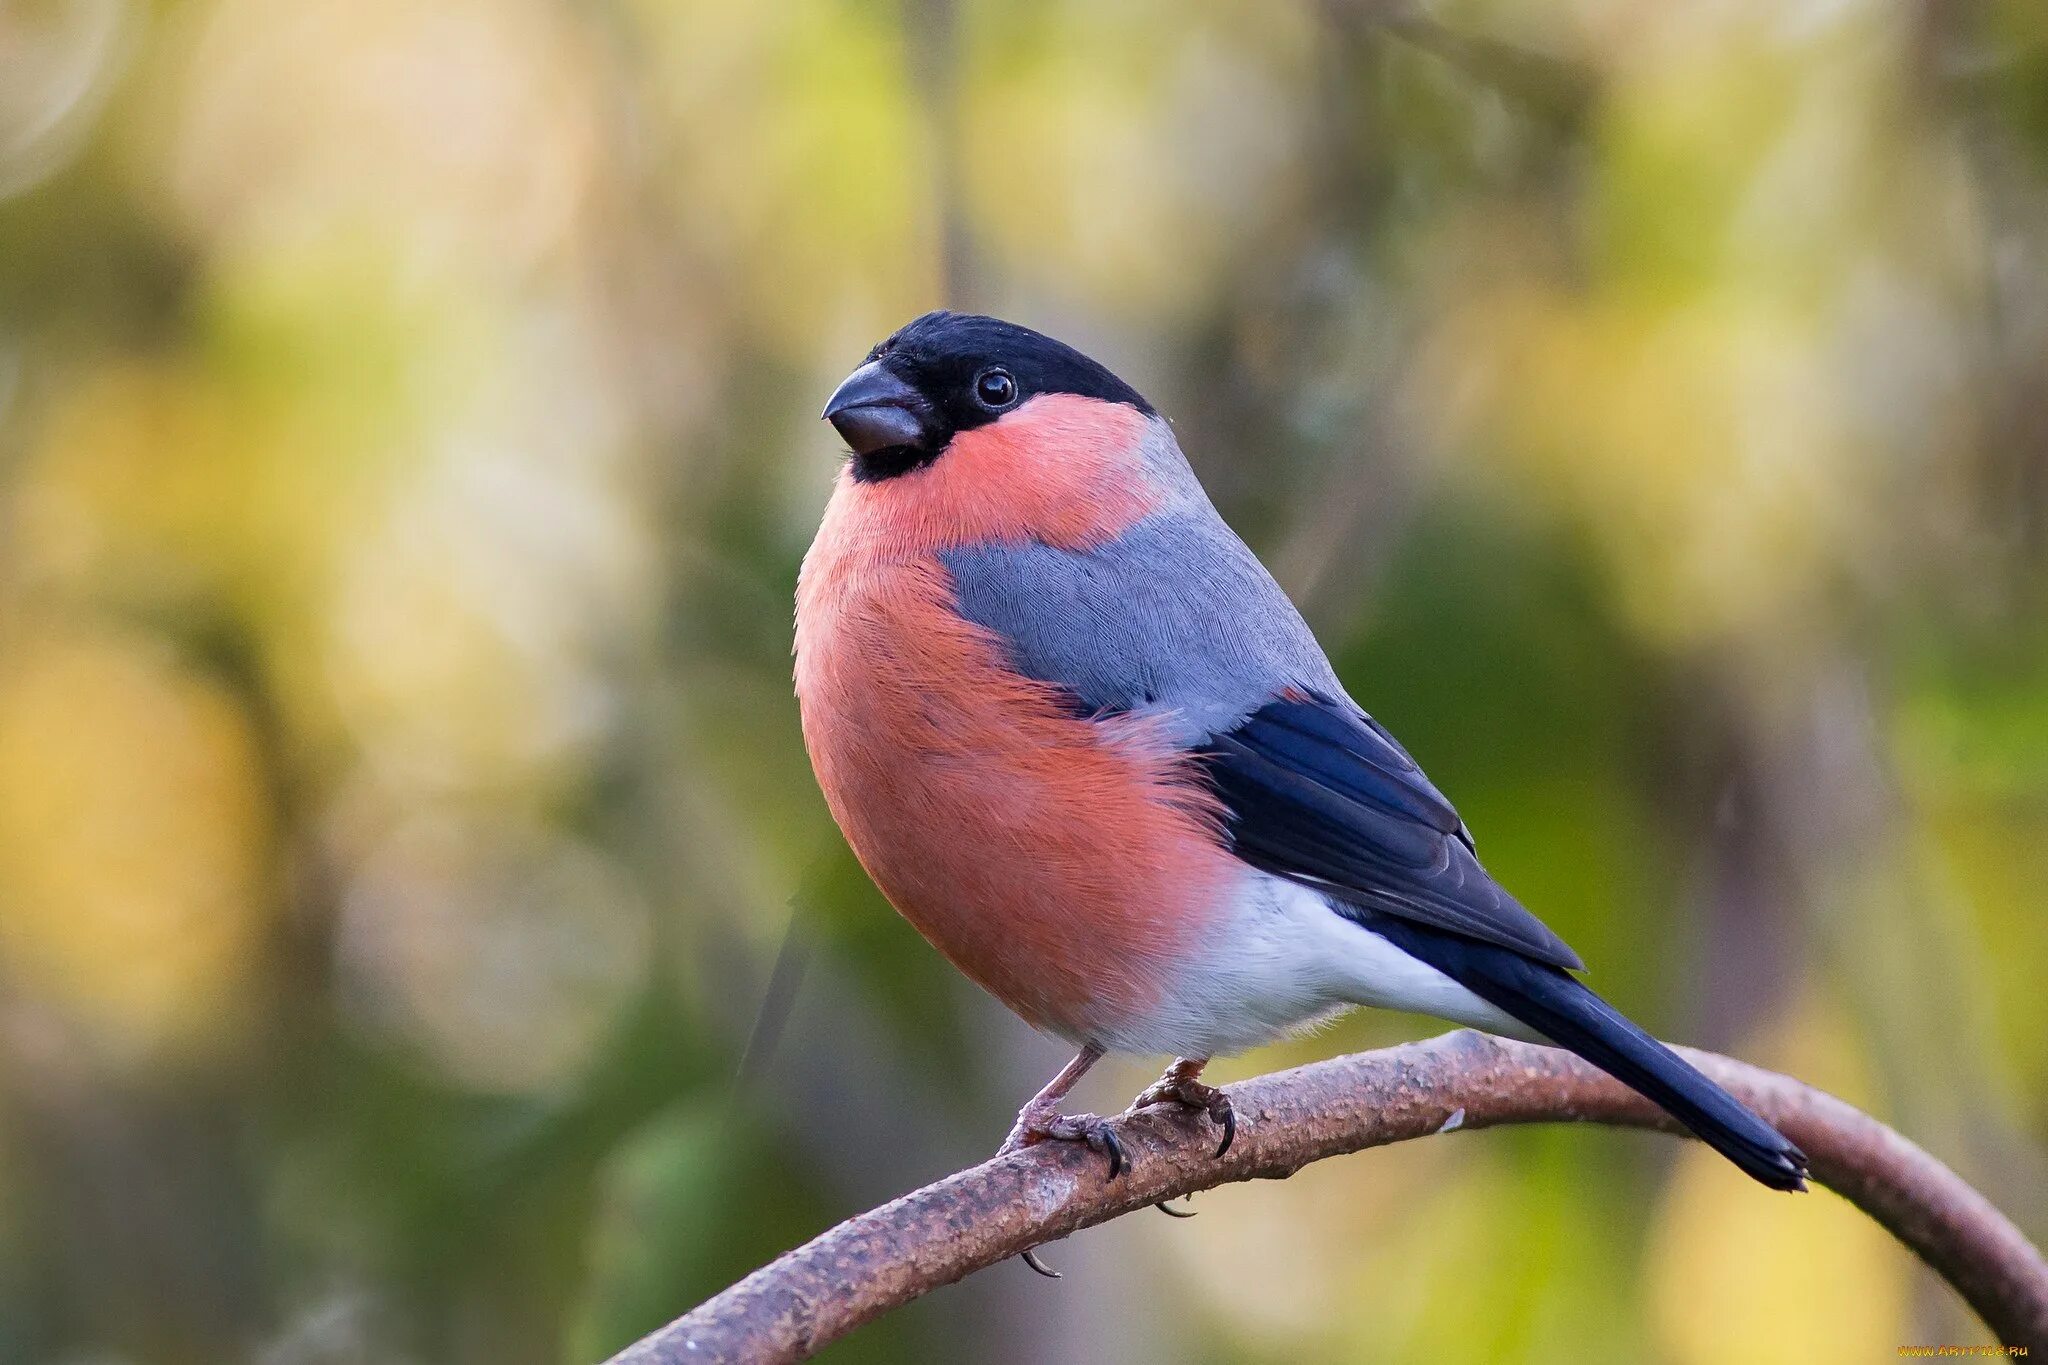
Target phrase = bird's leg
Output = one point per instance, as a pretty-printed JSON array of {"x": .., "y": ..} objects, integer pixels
[
  {"x": 1179, "y": 1085},
  {"x": 1040, "y": 1120}
]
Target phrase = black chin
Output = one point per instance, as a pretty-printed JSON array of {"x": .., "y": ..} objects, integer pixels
[{"x": 890, "y": 462}]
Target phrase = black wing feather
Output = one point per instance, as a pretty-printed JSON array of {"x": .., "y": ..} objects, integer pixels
[{"x": 1316, "y": 791}]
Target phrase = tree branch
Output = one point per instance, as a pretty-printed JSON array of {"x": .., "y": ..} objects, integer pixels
[{"x": 883, "y": 1259}]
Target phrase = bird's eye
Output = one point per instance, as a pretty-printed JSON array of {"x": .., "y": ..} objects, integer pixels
[{"x": 995, "y": 389}]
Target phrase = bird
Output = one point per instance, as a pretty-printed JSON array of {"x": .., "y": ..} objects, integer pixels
[{"x": 1086, "y": 745}]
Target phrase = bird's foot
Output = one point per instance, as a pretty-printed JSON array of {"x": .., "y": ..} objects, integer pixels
[
  {"x": 1038, "y": 1123},
  {"x": 1180, "y": 1087}
]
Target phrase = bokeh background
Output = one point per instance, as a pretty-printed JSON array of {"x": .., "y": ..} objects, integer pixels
[{"x": 407, "y": 443}]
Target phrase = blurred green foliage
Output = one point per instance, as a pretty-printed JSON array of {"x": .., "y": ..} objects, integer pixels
[{"x": 407, "y": 446}]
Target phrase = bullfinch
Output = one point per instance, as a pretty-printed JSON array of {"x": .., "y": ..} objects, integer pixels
[{"x": 1085, "y": 744}]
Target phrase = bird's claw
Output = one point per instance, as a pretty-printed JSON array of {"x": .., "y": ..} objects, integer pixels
[
  {"x": 1094, "y": 1131},
  {"x": 1189, "y": 1093},
  {"x": 1030, "y": 1258},
  {"x": 1098, "y": 1133}
]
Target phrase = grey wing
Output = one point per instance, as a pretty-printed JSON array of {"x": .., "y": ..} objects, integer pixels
[{"x": 1175, "y": 617}]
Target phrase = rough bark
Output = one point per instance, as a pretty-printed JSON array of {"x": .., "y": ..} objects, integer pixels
[{"x": 883, "y": 1259}]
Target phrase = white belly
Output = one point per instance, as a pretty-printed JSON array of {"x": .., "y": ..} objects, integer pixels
[{"x": 1285, "y": 961}]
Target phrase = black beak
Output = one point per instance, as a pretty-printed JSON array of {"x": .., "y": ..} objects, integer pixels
[{"x": 874, "y": 410}]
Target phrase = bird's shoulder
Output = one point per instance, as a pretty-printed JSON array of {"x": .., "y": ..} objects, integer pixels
[{"x": 1175, "y": 616}]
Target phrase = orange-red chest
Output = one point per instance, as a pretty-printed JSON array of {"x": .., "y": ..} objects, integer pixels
[{"x": 1065, "y": 865}]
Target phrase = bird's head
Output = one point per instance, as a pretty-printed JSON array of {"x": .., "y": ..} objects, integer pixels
[
  {"x": 965, "y": 428},
  {"x": 948, "y": 374}
]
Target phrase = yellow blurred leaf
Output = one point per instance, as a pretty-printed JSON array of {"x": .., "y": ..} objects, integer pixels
[{"x": 134, "y": 891}]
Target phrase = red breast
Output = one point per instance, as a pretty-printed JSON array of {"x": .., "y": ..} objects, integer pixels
[{"x": 1066, "y": 865}]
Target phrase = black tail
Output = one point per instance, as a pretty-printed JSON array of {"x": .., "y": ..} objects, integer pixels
[{"x": 1557, "y": 1006}]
